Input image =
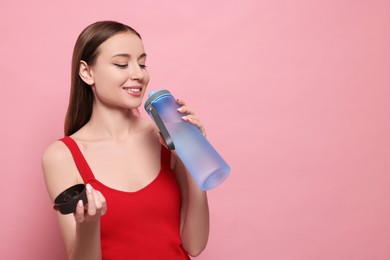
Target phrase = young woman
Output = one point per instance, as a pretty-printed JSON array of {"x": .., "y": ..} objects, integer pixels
[{"x": 142, "y": 203}]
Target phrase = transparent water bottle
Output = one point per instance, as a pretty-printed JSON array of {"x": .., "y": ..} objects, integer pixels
[{"x": 203, "y": 162}]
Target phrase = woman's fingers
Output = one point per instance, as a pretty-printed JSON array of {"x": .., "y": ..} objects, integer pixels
[
  {"x": 102, "y": 202},
  {"x": 95, "y": 208},
  {"x": 180, "y": 102},
  {"x": 196, "y": 122},
  {"x": 91, "y": 209},
  {"x": 189, "y": 116},
  {"x": 79, "y": 213},
  {"x": 192, "y": 119},
  {"x": 185, "y": 110}
]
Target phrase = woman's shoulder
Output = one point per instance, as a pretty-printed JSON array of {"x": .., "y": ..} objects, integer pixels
[
  {"x": 58, "y": 168},
  {"x": 146, "y": 125},
  {"x": 56, "y": 151}
]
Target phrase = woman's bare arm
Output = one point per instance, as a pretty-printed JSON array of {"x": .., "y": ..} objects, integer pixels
[{"x": 81, "y": 230}]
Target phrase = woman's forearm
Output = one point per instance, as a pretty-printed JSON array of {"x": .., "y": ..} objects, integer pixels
[
  {"x": 87, "y": 242},
  {"x": 196, "y": 226}
]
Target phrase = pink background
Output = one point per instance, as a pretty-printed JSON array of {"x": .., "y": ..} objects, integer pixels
[{"x": 294, "y": 94}]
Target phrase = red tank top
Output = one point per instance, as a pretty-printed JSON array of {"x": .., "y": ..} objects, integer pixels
[{"x": 138, "y": 225}]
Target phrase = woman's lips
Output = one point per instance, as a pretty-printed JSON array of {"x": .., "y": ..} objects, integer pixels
[{"x": 134, "y": 91}]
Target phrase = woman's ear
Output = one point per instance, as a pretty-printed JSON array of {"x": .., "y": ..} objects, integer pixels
[{"x": 85, "y": 73}]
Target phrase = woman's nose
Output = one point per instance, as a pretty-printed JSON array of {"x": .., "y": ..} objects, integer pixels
[{"x": 136, "y": 72}]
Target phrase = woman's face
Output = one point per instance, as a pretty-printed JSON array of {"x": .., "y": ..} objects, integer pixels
[{"x": 119, "y": 74}]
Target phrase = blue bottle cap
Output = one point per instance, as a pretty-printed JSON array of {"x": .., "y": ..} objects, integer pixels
[
  {"x": 156, "y": 95},
  {"x": 151, "y": 93}
]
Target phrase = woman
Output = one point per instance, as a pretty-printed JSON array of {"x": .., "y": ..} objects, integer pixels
[{"x": 142, "y": 204}]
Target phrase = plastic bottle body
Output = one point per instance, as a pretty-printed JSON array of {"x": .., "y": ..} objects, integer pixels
[{"x": 200, "y": 158}]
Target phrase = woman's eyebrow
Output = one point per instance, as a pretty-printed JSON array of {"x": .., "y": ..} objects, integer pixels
[
  {"x": 121, "y": 55},
  {"x": 143, "y": 55}
]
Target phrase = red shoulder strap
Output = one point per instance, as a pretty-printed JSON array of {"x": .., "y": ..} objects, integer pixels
[
  {"x": 82, "y": 165},
  {"x": 165, "y": 158}
]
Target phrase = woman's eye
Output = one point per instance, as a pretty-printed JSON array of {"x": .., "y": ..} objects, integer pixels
[
  {"x": 143, "y": 66},
  {"x": 121, "y": 65}
]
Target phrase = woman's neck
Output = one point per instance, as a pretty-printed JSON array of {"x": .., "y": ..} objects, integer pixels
[{"x": 109, "y": 123}]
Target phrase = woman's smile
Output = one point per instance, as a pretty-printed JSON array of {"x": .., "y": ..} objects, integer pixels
[{"x": 135, "y": 91}]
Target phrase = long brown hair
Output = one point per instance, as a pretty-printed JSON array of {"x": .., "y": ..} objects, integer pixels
[{"x": 86, "y": 49}]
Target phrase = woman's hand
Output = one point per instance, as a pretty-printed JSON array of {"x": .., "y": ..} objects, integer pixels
[
  {"x": 190, "y": 116},
  {"x": 95, "y": 208}
]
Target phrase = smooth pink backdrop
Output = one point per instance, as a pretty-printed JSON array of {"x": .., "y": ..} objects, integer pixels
[{"x": 294, "y": 94}]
